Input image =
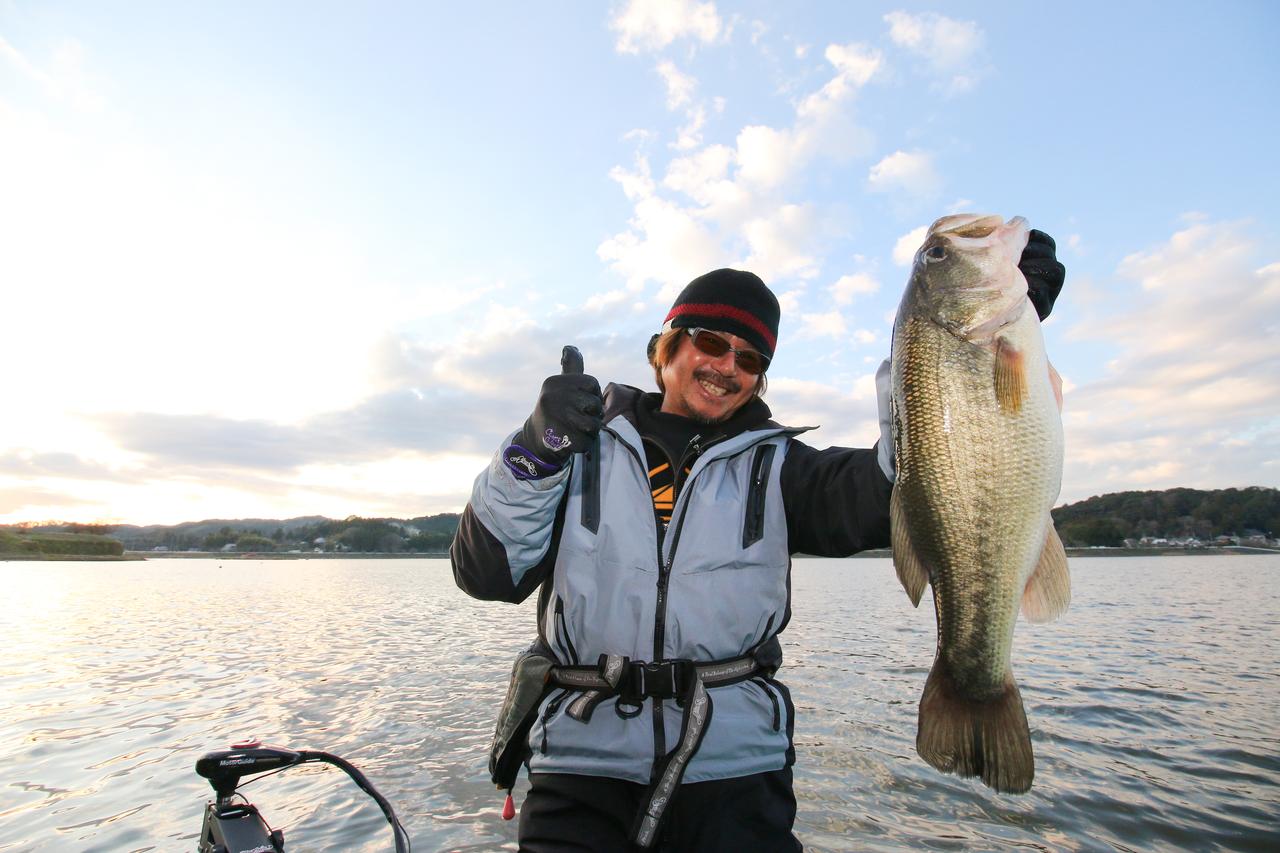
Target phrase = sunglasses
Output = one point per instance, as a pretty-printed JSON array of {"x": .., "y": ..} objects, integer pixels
[{"x": 715, "y": 346}]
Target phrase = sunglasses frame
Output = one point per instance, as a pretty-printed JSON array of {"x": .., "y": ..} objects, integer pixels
[{"x": 737, "y": 353}]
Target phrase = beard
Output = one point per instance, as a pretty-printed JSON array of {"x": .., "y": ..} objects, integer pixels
[{"x": 731, "y": 386}]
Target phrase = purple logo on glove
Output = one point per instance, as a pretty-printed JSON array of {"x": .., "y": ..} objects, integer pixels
[{"x": 555, "y": 442}]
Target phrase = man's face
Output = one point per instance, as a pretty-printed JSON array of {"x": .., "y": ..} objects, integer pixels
[{"x": 703, "y": 388}]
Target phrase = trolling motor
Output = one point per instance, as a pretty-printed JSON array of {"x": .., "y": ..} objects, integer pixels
[{"x": 238, "y": 827}]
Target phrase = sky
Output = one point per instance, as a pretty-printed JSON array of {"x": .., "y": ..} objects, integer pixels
[{"x": 307, "y": 258}]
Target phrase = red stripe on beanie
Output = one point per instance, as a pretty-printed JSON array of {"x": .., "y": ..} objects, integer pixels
[{"x": 728, "y": 312}]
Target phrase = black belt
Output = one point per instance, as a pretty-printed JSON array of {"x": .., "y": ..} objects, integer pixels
[{"x": 683, "y": 680}]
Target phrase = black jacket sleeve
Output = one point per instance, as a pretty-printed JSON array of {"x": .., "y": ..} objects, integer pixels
[{"x": 836, "y": 500}]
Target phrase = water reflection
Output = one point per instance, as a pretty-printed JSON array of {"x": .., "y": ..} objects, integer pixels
[{"x": 1152, "y": 704}]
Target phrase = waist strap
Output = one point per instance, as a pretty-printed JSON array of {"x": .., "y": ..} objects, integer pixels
[{"x": 634, "y": 681}]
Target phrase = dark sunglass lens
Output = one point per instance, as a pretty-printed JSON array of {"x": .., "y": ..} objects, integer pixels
[
  {"x": 750, "y": 362},
  {"x": 713, "y": 345}
]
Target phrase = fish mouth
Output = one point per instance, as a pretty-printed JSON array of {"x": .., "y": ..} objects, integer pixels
[
  {"x": 968, "y": 225},
  {"x": 975, "y": 226}
]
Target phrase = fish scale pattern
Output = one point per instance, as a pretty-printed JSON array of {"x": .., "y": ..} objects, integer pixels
[{"x": 977, "y": 484}]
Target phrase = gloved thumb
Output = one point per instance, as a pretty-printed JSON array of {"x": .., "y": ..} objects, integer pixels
[{"x": 571, "y": 361}]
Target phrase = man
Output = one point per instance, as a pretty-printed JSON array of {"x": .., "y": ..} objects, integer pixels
[{"x": 660, "y": 528}]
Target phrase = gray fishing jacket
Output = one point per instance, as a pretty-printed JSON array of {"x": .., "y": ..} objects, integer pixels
[{"x": 714, "y": 586}]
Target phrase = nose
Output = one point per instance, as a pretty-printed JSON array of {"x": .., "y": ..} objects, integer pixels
[{"x": 726, "y": 364}]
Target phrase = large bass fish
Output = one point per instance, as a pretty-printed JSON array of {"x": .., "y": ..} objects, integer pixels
[{"x": 978, "y": 450}]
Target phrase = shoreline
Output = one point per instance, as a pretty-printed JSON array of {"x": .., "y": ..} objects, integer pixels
[{"x": 878, "y": 553}]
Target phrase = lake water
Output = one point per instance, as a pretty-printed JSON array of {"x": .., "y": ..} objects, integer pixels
[{"x": 1152, "y": 702}]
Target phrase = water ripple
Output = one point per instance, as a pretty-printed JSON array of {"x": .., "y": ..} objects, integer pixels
[{"x": 1154, "y": 717}]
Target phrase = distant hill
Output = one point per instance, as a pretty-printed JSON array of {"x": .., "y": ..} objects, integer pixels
[
  {"x": 1170, "y": 514},
  {"x": 1103, "y": 520},
  {"x": 46, "y": 545},
  {"x": 423, "y": 535}
]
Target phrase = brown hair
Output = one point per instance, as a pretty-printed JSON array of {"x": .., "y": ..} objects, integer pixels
[{"x": 664, "y": 348}]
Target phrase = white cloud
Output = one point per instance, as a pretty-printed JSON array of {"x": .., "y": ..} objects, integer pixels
[
  {"x": 847, "y": 287},
  {"x": 651, "y": 25},
  {"x": 789, "y": 301},
  {"x": 1190, "y": 397},
  {"x": 855, "y": 65},
  {"x": 952, "y": 50},
  {"x": 637, "y": 184},
  {"x": 765, "y": 155},
  {"x": 911, "y": 172},
  {"x": 739, "y": 209},
  {"x": 680, "y": 86},
  {"x": 689, "y": 136},
  {"x": 781, "y": 243},
  {"x": 829, "y": 324},
  {"x": 904, "y": 250},
  {"x": 609, "y": 299},
  {"x": 680, "y": 89},
  {"x": 703, "y": 176},
  {"x": 865, "y": 336},
  {"x": 664, "y": 243},
  {"x": 845, "y": 409}
]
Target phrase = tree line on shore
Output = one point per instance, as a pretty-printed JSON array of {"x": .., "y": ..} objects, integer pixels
[
  {"x": 310, "y": 534},
  {"x": 1182, "y": 514},
  {"x": 1106, "y": 520}
]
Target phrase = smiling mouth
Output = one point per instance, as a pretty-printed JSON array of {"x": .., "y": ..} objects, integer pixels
[
  {"x": 717, "y": 386},
  {"x": 713, "y": 390}
]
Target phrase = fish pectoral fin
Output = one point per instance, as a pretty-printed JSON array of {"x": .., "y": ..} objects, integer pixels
[
  {"x": 1010, "y": 377},
  {"x": 1048, "y": 590},
  {"x": 911, "y": 572},
  {"x": 988, "y": 738}
]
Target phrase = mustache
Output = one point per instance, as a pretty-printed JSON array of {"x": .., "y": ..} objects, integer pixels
[{"x": 733, "y": 386}]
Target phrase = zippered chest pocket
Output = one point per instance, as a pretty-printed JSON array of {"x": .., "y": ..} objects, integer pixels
[{"x": 757, "y": 491}]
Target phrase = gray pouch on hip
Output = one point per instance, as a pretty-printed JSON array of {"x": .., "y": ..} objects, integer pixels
[{"x": 529, "y": 684}]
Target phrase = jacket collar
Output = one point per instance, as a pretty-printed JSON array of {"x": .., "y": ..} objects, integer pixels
[{"x": 625, "y": 404}]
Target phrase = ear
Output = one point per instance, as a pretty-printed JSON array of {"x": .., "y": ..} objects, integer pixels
[{"x": 653, "y": 347}]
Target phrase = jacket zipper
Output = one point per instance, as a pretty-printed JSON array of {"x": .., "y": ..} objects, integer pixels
[
  {"x": 552, "y": 707},
  {"x": 562, "y": 628},
  {"x": 777, "y": 712},
  {"x": 664, "y": 575},
  {"x": 659, "y": 727},
  {"x": 664, "y": 567},
  {"x": 753, "y": 526}
]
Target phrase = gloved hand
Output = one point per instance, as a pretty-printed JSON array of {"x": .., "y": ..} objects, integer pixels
[
  {"x": 884, "y": 448},
  {"x": 1044, "y": 274},
  {"x": 564, "y": 421}
]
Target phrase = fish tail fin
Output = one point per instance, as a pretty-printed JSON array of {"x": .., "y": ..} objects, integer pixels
[{"x": 969, "y": 737}]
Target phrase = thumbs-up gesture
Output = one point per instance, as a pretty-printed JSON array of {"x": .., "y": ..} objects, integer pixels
[{"x": 567, "y": 416}]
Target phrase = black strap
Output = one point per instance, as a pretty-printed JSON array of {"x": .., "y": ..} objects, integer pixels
[{"x": 634, "y": 681}]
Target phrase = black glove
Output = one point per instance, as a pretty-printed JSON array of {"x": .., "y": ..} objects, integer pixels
[
  {"x": 565, "y": 420},
  {"x": 1044, "y": 274}
]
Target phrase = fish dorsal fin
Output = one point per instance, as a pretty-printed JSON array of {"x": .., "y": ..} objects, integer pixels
[
  {"x": 1048, "y": 590},
  {"x": 1010, "y": 377},
  {"x": 911, "y": 573}
]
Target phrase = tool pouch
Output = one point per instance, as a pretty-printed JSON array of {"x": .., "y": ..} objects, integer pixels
[{"x": 529, "y": 684}]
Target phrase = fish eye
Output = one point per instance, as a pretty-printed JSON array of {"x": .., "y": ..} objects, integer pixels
[{"x": 935, "y": 253}]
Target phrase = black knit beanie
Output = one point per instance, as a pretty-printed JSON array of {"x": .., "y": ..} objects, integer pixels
[{"x": 730, "y": 301}]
